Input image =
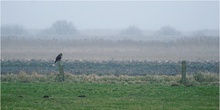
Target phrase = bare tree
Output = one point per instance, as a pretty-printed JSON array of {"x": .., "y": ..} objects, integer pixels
[
  {"x": 13, "y": 30},
  {"x": 131, "y": 31},
  {"x": 168, "y": 31},
  {"x": 61, "y": 27}
]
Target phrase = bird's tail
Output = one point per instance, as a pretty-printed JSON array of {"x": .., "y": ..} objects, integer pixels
[{"x": 54, "y": 63}]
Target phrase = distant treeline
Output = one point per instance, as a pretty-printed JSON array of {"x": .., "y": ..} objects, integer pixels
[{"x": 63, "y": 29}]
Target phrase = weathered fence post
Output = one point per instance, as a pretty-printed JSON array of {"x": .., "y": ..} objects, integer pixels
[
  {"x": 183, "y": 80},
  {"x": 60, "y": 76}
]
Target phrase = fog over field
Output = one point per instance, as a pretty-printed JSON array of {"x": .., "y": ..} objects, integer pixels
[
  {"x": 144, "y": 30},
  {"x": 82, "y": 47}
]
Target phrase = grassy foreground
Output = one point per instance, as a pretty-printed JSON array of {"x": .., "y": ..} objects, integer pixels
[{"x": 90, "y": 96}]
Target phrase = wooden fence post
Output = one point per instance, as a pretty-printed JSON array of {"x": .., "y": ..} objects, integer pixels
[
  {"x": 183, "y": 79},
  {"x": 60, "y": 77}
]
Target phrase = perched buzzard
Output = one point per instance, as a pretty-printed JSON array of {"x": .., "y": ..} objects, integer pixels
[{"x": 58, "y": 58}]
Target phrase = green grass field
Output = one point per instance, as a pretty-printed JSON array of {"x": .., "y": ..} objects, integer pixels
[{"x": 90, "y": 96}]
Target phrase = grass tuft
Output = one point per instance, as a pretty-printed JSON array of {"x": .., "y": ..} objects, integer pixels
[{"x": 23, "y": 77}]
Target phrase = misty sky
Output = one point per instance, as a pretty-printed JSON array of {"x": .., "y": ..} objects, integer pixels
[{"x": 149, "y": 15}]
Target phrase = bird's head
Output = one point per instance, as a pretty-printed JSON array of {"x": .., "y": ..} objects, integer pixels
[{"x": 61, "y": 54}]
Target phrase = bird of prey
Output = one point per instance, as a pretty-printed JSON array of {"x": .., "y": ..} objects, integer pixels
[{"x": 58, "y": 58}]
